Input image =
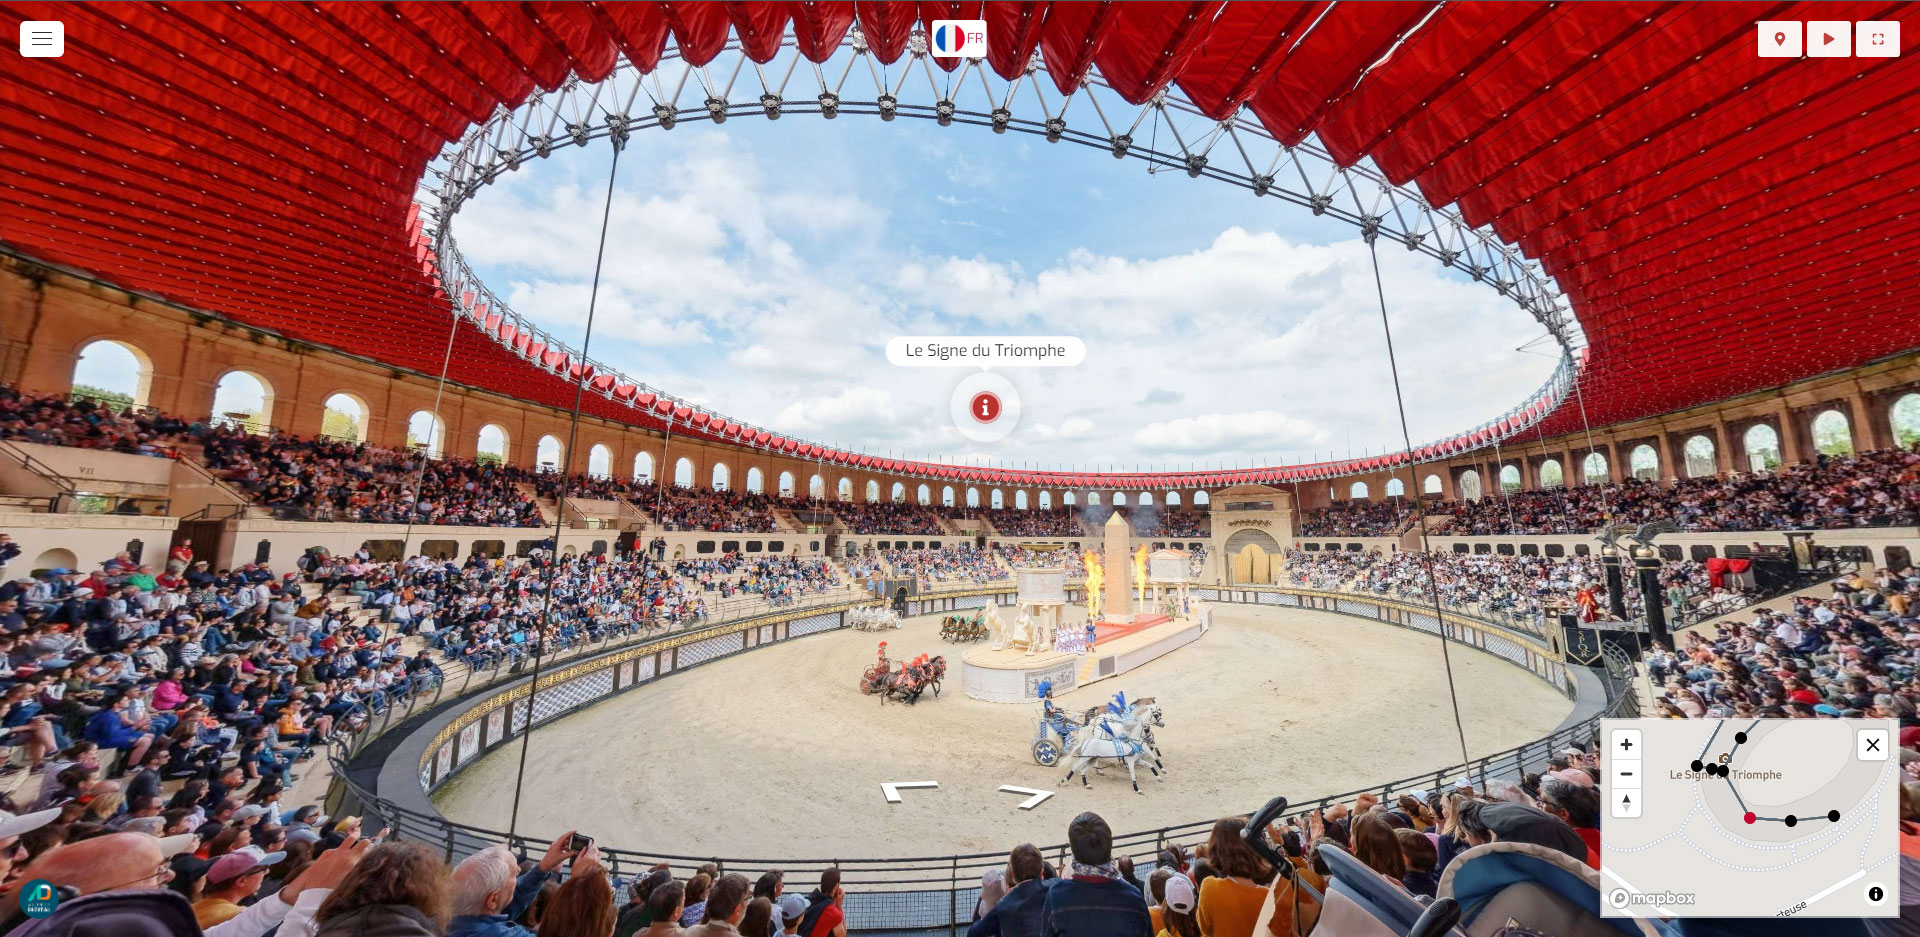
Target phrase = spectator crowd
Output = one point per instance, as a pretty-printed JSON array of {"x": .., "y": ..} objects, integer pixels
[{"x": 1880, "y": 488}]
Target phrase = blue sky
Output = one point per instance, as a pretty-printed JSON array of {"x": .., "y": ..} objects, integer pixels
[{"x": 758, "y": 268}]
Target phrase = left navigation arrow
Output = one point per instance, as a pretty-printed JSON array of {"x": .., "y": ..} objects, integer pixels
[{"x": 892, "y": 789}]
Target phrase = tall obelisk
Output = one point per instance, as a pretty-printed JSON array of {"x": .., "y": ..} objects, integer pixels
[{"x": 1118, "y": 564}]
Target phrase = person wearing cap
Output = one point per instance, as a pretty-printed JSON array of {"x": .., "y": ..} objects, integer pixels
[
  {"x": 233, "y": 878},
  {"x": 788, "y": 911},
  {"x": 12, "y": 827},
  {"x": 1177, "y": 907}
]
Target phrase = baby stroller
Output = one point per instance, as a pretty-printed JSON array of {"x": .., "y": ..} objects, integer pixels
[{"x": 1483, "y": 891}]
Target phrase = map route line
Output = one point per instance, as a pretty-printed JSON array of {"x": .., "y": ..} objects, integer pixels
[
  {"x": 1710, "y": 738},
  {"x": 1724, "y": 771}
]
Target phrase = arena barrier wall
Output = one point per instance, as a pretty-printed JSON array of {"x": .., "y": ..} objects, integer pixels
[{"x": 905, "y": 893}]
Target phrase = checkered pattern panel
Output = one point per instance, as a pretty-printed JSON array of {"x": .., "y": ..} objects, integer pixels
[
  {"x": 1505, "y": 647},
  {"x": 1206, "y": 595},
  {"x": 814, "y": 624},
  {"x": 576, "y": 692},
  {"x": 711, "y": 648},
  {"x": 971, "y": 601},
  {"x": 1350, "y": 607},
  {"x": 519, "y": 716},
  {"x": 1276, "y": 598},
  {"x": 426, "y": 777}
]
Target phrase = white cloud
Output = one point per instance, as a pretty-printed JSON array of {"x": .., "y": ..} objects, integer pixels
[
  {"x": 1210, "y": 433},
  {"x": 770, "y": 297}
]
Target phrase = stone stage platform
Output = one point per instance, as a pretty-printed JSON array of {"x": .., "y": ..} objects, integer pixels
[{"x": 1010, "y": 676}]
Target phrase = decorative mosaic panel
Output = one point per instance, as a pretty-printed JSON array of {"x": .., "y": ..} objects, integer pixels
[
  {"x": 626, "y": 674},
  {"x": 519, "y": 716},
  {"x": 766, "y": 634},
  {"x": 496, "y": 726},
  {"x": 813, "y": 624},
  {"x": 643, "y": 669},
  {"x": 443, "y": 761},
  {"x": 576, "y": 692},
  {"x": 469, "y": 742},
  {"x": 1064, "y": 677},
  {"x": 666, "y": 662},
  {"x": 711, "y": 648}
]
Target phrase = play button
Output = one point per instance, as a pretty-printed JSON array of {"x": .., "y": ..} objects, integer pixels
[{"x": 1830, "y": 40}]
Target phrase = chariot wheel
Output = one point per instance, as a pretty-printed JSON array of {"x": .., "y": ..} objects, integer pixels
[{"x": 1046, "y": 753}]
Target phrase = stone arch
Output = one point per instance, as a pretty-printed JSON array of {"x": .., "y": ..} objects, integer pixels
[
  {"x": 549, "y": 455},
  {"x": 925, "y": 496},
  {"x": 1253, "y": 558},
  {"x": 1832, "y": 433},
  {"x": 1470, "y": 485},
  {"x": 426, "y": 432},
  {"x": 1762, "y": 445},
  {"x": 600, "y": 461},
  {"x": 1644, "y": 463},
  {"x": 720, "y": 478},
  {"x": 643, "y": 467},
  {"x": 1593, "y": 469},
  {"x": 1903, "y": 418},
  {"x": 683, "y": 473},
  {"x": 110, "y": 369},
  {"x": 1357, "y": 491},
  {"x": 1552, "y": 475},
  {"x": 756, "y": 483},
  {"x": 243, "y": 398},
  {"x": 345, "y": 417},
  {"x": 1432, "y": 485},
  {"x": 1699, "y": 452}
]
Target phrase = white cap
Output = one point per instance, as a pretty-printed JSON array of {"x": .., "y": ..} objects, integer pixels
[
  {"x": 11, "y": 825},
  {"x": 1179, "y": 892}
]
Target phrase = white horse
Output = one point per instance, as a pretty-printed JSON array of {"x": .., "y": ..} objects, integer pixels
[{"x": 1125, "y": 742}]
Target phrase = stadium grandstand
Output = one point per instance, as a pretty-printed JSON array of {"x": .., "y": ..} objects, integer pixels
[{"x": 457, "y": 461}]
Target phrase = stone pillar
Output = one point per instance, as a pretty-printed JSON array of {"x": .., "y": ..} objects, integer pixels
[
  {"x": 1861, "y": 426},
  {"x": 1670, "y": 466},
  {"x": 1793, "y": 440},
  {"x": 1118, "y": 563},
  {"x": 1722, "y": 448}
]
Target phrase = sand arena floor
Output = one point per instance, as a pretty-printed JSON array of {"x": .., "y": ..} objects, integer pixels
[{"x": 776, "y": 754}]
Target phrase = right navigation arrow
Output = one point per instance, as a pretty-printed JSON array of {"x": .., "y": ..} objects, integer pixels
[{"x": 1031, "y": 802}]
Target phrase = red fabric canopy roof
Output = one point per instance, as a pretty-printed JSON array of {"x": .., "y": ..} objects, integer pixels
[{"x": 1720, "y": 222}]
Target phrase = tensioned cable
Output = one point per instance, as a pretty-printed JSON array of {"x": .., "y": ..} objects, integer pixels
[
  {"x": 438, "y": 429},
  {"x": 560, "y": 505},
  {"x": 1426, "y": 548}
]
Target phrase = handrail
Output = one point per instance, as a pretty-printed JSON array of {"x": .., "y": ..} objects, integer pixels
[
  {"x": 40, "y": 469},
  {"x": 922, "y": 891}
]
